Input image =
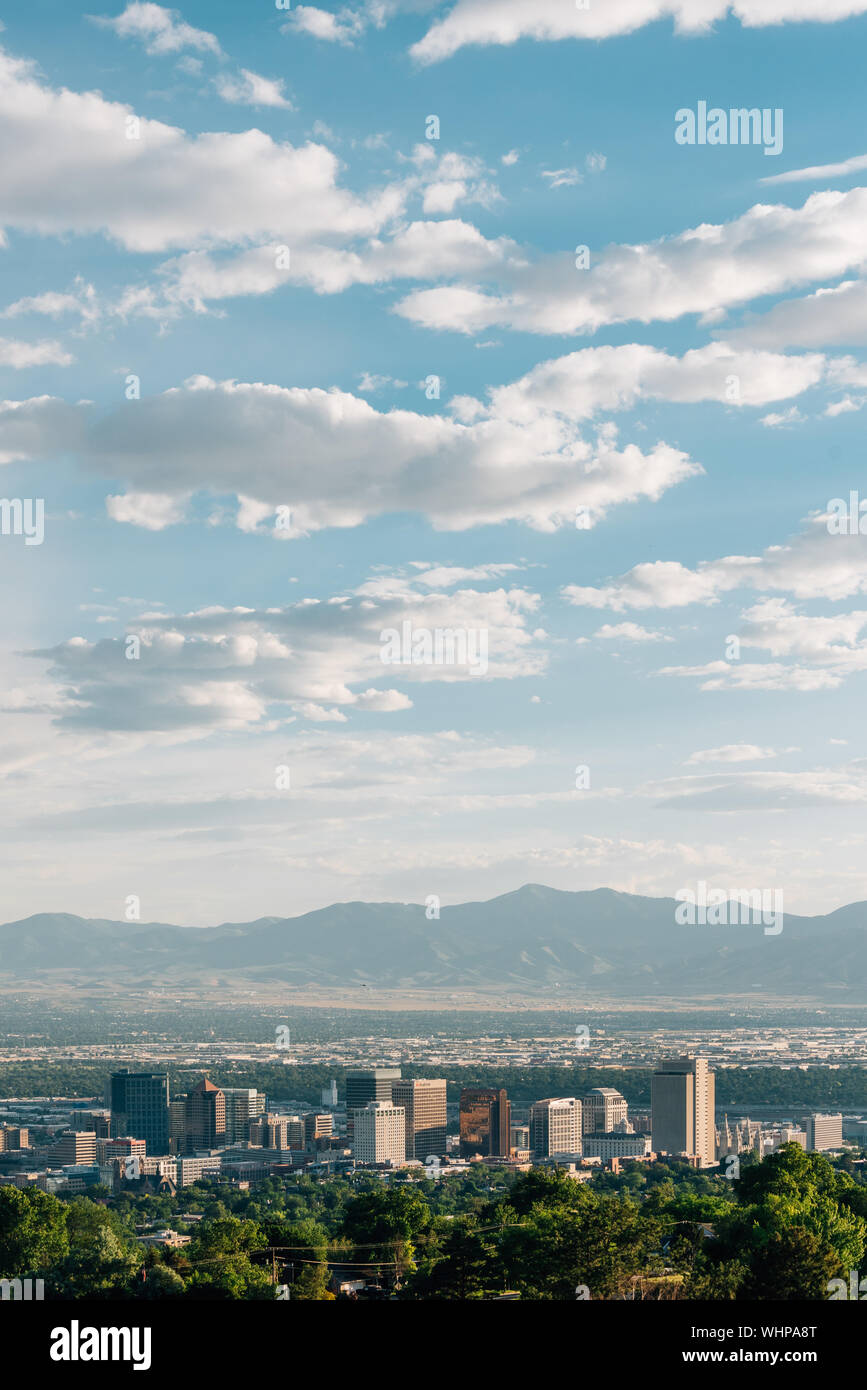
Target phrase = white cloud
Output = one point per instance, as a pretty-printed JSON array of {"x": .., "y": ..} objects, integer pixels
[
  {"x": 629, "y": 632},
  {"x": 153, "y": 511},
  {"x": 562, "y": 178},
  {"x": 778, "y": 419},
  {"x": 814, "y": 564},
  {"x": 820, "y": 173},
  {"x": 507, "y": 21},
  {"x": 239, "y": 668},
  {"x": 14, "y": 353},
  {"x": 836, "y": 314},
  {"x": 71, "y": 168},
  {"x": 161, "y": 30},
  {"x": 335, "y": 460},
  {"x": 343, "y": 27},
  {"x": 766, "y": 250},
  {"x": 737, "y": 753},
  {"x": 250, "y": 89}
]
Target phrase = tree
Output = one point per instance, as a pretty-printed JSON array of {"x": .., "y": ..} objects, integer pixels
[
  {"x": 795, "y": 1264},
  {"x": 33, "y": 1231},
  {"x": 462, "y": 1266}
]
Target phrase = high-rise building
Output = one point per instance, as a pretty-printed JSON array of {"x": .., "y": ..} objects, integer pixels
[
  {"x": 486, "y": 1117},
  {"x": 205, "y": 1117},
  {"x": 556, "y": 1126},
  {"x": 76, "y": 1146},
  {"x": 329, "y": 1095},
  {"x": 380, "y": 1133},
  {"x": 682, "y": 1108},
  {"x": 270, "y": 1131},
  {"x": 242, "y": 1106},
  {"x": 424, "y": 1101},
  {"x": 13, "y": 1137},
  {"x": 97, "y": 1121},
  {"x": 363, "y": 1086},
  {"x": 824, "y": 1131},
  {"x": 602, "y": 1110},
  {"x": 317, "y": 1126},
  {"x": 140, "y": 1107},
  {"x": 107, "y": 1149}
]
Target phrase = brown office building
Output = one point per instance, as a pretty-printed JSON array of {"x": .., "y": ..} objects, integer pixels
[
  {"x": 486, "y": 1118},
  {"x": 424, "y": 1101},
  {"x": 205, "y": 1117}
]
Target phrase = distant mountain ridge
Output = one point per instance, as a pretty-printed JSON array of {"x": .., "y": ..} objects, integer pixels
[{"x": 535, "y": 939}]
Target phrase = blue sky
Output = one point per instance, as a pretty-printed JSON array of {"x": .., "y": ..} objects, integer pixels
[{"x": 263, "y": 386}]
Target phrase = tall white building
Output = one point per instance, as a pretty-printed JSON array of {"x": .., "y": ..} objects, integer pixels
[
  {"x": 555, "y": 1126},
  {"x": 603, "y": 1110},
  {"x": 380, "y": 1133}
]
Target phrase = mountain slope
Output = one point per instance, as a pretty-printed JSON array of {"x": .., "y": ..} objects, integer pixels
[{"x": 536, "y": 938}]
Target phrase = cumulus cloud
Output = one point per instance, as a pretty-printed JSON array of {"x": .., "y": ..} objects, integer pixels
[
  {"x": 832, "y": 315},
  {"x": 14, "y": 353},
  {"x": 507, "y": 21},
  {"x": 814, "y": 564},
  {"x": 343, "y": 27},
  {"x": 250, "y": 89},
  {"x": 335, "y": 460},
  {"x": 71, "y": 167},
  {"x": 534, "y": 451},
  {"x": 161, "y": 30},
  {"x": 768, "y": 249},
  {"x": 629, "y": 632},
  {"x": 234, "y": 669}
]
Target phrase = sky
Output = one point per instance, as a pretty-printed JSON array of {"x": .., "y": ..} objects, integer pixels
[{"x": 319, "y": 324}]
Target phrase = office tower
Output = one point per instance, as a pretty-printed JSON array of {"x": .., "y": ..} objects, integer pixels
[
  {"x": 177, "y": 1124},
  {"x": 486, "y": 1118},
  {"x": 98, "y": 1122},
  {"x": 205, "y": 1117},
  {"x": 107, "y": 1149},
  {"x": 317, "y": 1126},
  {"x": 363, "y": 1086},
  {"x": 556, "y": 1126},
  {"x": 603, "y": 1109},
  {"x": 140, "y": 1107},
  {"x": 269, "y": 1131},
  {"x": 425, "y": 1104},
  {"x": 13, "y": 1137},
  {"x": 380, "y": 1133},
  {"x": 77, "y": 1146},
  {"x": 242, "y": 1106},
  {"x": 329, "y": 1095},
  {"x": 682, "y": 1108},
  {"x": 824, "y": 1131}
]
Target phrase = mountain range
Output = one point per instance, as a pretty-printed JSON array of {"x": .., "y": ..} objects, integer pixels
[{"x": 536, "y": 939}]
